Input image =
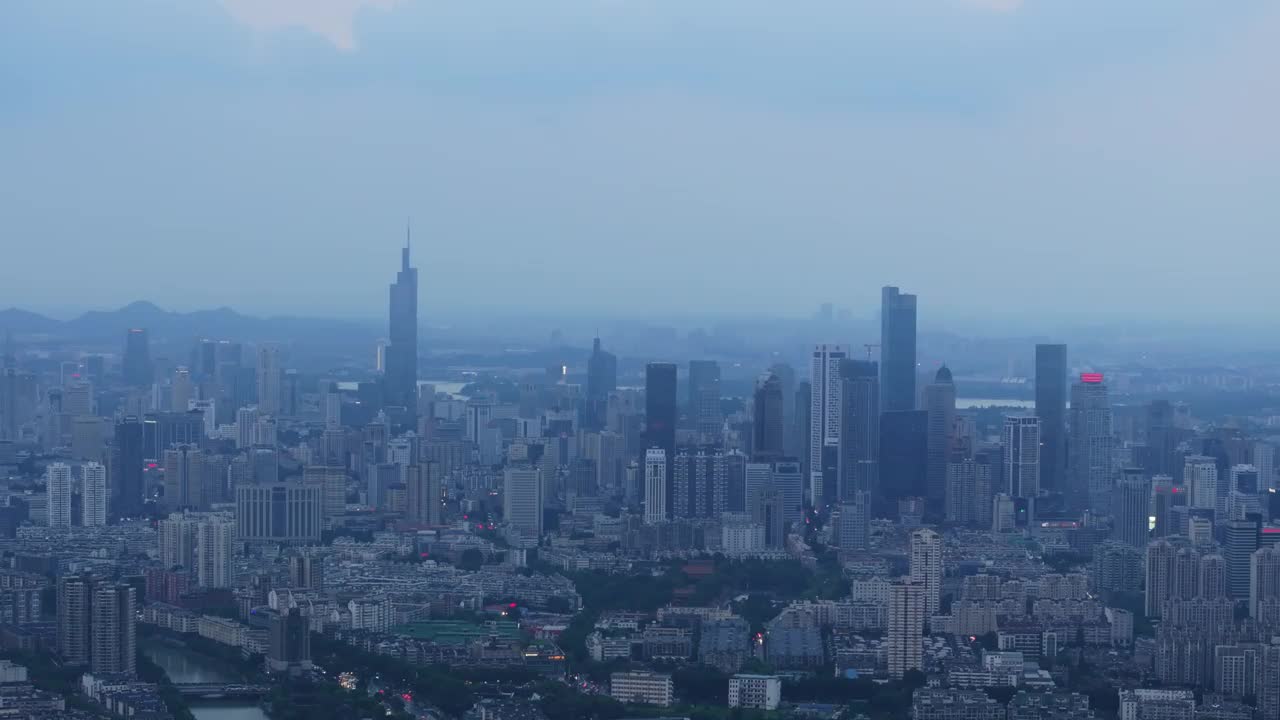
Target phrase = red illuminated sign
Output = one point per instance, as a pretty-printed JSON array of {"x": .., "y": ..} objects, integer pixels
[{"x": 1091, "y": 378}]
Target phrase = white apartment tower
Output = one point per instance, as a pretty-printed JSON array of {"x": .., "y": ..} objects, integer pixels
[
  {"x": 522, "y": 500},
  {"x": 1022, "y": 456},
  {"x": 906, "y": 626},
  {"x": 214, "y": 551},
  {"x": 926, "y": 567},
  {"x": 93, "y": 495},
  {"x": 57, "y": 479},
  {"x": 1200, "y": 475},
  {"x": 655, "y": 486}
]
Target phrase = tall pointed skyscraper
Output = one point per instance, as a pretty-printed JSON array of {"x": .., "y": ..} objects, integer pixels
[{"x": 402, "y": 351}]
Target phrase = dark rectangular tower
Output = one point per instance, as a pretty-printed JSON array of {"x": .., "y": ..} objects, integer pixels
[
  {"x": 903, "y": 453},
  {"x": 768, "y": 432},
  {"x": 137, "y": 358},
  {"x": 602, "y": 379},
  {"x": 704, "y": 397},
  {"x": 128, "y": 456},
  {"x": 861, "y": 427},
  {"x": 897, "y": 350},
  {"x": 1051, "y": 408}
]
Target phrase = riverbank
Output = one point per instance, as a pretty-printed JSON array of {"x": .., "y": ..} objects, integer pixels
[{"x": 181, "y": 663}]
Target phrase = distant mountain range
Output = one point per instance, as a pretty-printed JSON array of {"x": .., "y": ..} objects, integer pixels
[{"x": 221, "y": 322}]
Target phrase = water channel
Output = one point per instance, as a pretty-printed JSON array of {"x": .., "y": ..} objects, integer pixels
[{"x": 186, "y": 666}]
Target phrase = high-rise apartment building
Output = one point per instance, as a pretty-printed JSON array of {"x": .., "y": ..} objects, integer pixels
[
  {"x": 289, "y": 646},
  {"x": 1200, "y": 475},
  {"x": 96, "y": 624},
  {"x": 177, "y": 541},
  {"x": 926, "y": 567},
  {"x": 332, "y": 482},
  {"x": 704, "y": 399},
  {"x": 1165, "y": 496},
  {"x": 855, "y": 521},
  {"x": 269, "y": 376},
  {"x": 1051, "y": 408},
  {"x": 940, "y": 404},
  {"x": 655, "y": 486},
  {"x": 113, "y": 632},
  {"x": 897, "y": 350},
  {"x": 1241, "y": 540},
  {"x": 906, "y": 626},
  {"x": 961, "y": 499},
  {"x": 185, "y": 478},
  {"x": 1021, "y": 456},
  {"x": 93, "y": 495},
  {"x": 180, "y": 390},
  {"x": 57, "y": 478},
  {"x": 75, "y": 619},
  {"x": 522, "y": 500},
  {"x": 701, "y": 484},
  {"x": 1264, "y": 578},
  {"x": 215, "y": 551},
  {"x": 826, "y": 407},
  {"x": 422, "y": 482},
  {"x": 1131, "y": 508},
  {"x": 1091, "y": 442}
]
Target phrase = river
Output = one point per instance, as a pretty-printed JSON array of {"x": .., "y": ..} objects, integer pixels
[{"x": 186, "y": 666}]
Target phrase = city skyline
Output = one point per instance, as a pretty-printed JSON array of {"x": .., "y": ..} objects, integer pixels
[{"x": 751, "y": 361}]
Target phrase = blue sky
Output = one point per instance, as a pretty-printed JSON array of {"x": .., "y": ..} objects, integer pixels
[{"x": 998, "y": 157}]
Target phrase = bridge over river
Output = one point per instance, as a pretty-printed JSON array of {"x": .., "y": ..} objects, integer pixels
[{"x": 211, "y": 691}]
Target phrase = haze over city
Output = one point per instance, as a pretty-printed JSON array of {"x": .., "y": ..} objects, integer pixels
[{"x": 1015, "y": 158}]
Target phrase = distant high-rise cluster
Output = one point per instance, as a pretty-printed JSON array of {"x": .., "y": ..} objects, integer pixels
[{"x": 988, "y": 526}]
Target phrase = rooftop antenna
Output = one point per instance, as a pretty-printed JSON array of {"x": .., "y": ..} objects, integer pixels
[{"x": 408, "y": 233}]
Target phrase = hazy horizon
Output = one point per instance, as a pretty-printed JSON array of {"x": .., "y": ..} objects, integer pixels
[{"x": 1004, "y": 159}]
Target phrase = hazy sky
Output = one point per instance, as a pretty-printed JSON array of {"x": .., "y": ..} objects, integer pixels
[{"x": 1081, "y": 156}]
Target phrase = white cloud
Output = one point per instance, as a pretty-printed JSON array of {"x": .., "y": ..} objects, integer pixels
[
  {"x": 333, "y": 20},
  {"x": 993, "y": 5}
]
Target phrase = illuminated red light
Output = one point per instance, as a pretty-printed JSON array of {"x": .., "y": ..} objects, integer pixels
[
  {"x": 1270, "y": 530},
  {"x": 1091, "y": 378}
]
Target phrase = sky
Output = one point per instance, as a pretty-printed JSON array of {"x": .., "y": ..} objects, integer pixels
[{"x": 1001, "y": 158}]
